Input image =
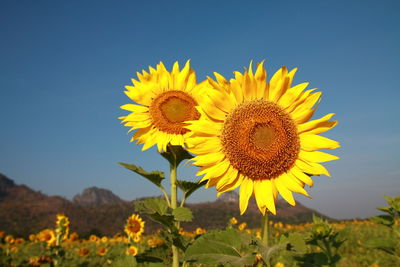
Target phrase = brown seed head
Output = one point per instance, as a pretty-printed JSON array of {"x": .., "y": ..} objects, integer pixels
[
  {"x": 170, "y": 109},
  {"x": 260, "y": 139}
]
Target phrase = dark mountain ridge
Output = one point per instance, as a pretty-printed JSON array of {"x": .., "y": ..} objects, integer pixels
[{"x": 24, "y": 211}]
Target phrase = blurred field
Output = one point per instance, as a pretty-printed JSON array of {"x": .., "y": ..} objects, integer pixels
[{"x": 113, "y": 250}]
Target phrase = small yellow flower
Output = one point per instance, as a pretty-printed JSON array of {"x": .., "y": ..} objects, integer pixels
[
  {"x": 132, "y": 250},
  {"x": 73, "y": 237},
  {"x": 9, "y": 239},
  {"x": 48, "y": 236},
  {"x": 233, "y": 221},
  {"x": 242, "y": 226},
  {"x": 134, "y": 227},
  {"x": 258, "y": 234},
  {"x": 279, "y": 264},
  {"x": 32, "y": 237},
  {"x": 14, "y": 249},
  {"x": 200, "y": 231},
  {"x": 154, "y": 242},
  {"x": 102, "y": 251},
  {"x": 34, "y": 261},
  {"x": 104, "y": 239},
  {"x": 94, "y": 238},
  {"x": 83, "y": 252},
  {"x": 19, "y": 241}
]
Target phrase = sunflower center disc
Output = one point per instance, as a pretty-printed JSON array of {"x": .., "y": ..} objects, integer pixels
[
  {"x": 170, "y": 109},
  {"x": 260, "y": 140},
  {"x": 134, "y": 227}
]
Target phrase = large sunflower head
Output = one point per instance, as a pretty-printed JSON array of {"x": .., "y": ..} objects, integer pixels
[
  {"x": 164, "y": 101},
  {"x": 258, "y": 135}
]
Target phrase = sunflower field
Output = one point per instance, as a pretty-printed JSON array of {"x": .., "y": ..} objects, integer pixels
[
  {"x": 355, "y": 245},
  {"x": 251, "y": 134}
]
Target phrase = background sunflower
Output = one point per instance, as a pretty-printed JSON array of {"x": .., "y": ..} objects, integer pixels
[
  {"x": 258, "y": 135},
  {"x": 164, "y": 101}
]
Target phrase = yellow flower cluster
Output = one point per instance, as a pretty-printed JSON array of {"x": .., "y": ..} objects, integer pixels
[{"x": 246, "y": 132}]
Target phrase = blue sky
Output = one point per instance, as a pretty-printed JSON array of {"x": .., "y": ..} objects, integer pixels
[{"x": 64, "y": 65}]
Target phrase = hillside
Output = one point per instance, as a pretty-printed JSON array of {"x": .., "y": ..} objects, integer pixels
[{"x": 24, "y": 211}]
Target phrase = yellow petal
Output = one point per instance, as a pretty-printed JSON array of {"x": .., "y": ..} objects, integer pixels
[
  {"x": 264, "y": 194},
  {"x": 284, "y": 192},
  {"x": 135, "y": 108},
  {"x": 295, "y": 171},
  {"x": 222, "y": 100},
  {"x": 228, "y": 178},
  {"x": 237, "y": 90},
  {"x": 317, "y": 126},
  {"x": 231, "y": 186},
  {"x": 211, "y": 110},
  {"x": 246, "y": 190},
  {"x": 312, "y": 168},
  {"x": 316, "y": 156},
  {"x": 292, "y": 184},
  {"x": 312, "y": 142},
  {"x": 208, "y": 159},
  {"x": 215, "y": 171},
  {"x": 291, "y": 95},
  {"x": 205, "y": 126}
]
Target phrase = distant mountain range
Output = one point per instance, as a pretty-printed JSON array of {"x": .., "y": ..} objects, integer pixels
[{"x": 100, "y": 211}]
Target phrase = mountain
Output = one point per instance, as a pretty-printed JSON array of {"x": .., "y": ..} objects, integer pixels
[
  {"x": 94, "y": 196},
  {"x": 24, "y": 211}
]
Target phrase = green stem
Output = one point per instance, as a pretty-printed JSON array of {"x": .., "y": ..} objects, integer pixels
[
  {"x": 329, "y": 253},
  {"x": 183, "y": 200},
  {"x": 174, "y": 200},
  {"x": 165, "y": 195},
  {"x": 265, "y": 233}
]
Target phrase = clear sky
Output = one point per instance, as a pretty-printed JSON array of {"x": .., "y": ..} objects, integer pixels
[{"x": 64, "y": 65}]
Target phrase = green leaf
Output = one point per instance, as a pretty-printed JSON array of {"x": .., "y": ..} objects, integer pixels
[
  {"x": 125, "y": 261},
  {"x": 155, "y": 177},
  {"x": 152, "y": 206},
  {"x": 386, "y": 245},
  {"x": 220, "y": 247},
  {"x": 175, "y": 154},
  {"x": 297, "y": 242},
  {"x": 166, "y": 220},
  {"x": 189, "y": 188},
  {"x": 182, "y": 214},
  {"x": 158, "y": 254}
]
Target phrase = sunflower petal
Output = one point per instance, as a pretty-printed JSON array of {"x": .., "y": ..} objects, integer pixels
[{"x": 246, "y": 190}]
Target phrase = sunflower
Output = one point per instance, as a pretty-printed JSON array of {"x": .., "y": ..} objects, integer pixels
[
  {"x": 102, "y": 251},
  {"x": 131, "y": 251},
  {"x": 165, "y": 100},
  {"x": 259, "y": 136},
  {"x": 48, "y": 236},
  {"x": 134, "y": 227}
]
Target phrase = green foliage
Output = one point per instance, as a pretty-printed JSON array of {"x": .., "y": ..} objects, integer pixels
[
  {"x": 176, "y": 154},
  {"x": 155, "y": 177},
  {"x": 326, "y": 239},
  {"x": 157, "y": 210},
  {"x": 155, "y": 255},
  {"x": 294, "y": 242},
  {"x": 189, "y": 188},
  {"x": 182, "y": 214},
  {"x": 390, "y": 220},
  {"x": 228, "y": 248},
  {"x": 125, "y": 261}
]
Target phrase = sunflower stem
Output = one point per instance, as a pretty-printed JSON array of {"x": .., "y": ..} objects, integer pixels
[
  {"x": 174, "y": 200},
  {"x": 165, "y": 195},
  {"x": 265, "y": 233}
]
